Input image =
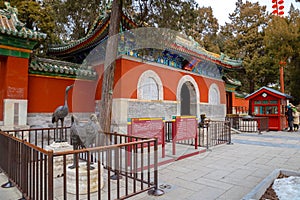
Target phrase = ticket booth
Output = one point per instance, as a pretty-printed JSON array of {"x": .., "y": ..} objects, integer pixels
[{"x": 267, "y": 102}]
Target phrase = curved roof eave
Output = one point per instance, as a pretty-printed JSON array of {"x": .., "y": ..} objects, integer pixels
[
  {"x": 97, "y": 33},
  {"x": 270, "y": 90}
]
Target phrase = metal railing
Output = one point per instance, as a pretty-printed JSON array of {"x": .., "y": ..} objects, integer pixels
[
  {"x": 213, "y": 133},
  {"x": 249, "y": 123},
  {"x": 168, "y": 130},
  {"x": 40, "y": 137},
  {"x": 210, "y": 134},
  {"x": 26, "y": 165},
  {"x": 125, "y": 167}
]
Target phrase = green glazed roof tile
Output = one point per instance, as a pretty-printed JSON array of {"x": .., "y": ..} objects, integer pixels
[{"x": 50, "y": 67}]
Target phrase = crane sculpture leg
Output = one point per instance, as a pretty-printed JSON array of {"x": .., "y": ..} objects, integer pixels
[
  {"x": 59, "y": 137},
  {"x": 61, "y": 130},
  {"x": 56, "y": 132}
]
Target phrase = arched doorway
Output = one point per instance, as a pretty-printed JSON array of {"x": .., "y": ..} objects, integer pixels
[{"x": 188, "y": 99}]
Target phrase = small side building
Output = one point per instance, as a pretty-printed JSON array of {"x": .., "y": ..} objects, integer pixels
[{"x": 267, "y": 102}]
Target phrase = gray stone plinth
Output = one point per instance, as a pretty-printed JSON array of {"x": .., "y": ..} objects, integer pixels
[
  {"x": 58, "y": 160},
  {"x": 82, "y": 178}
]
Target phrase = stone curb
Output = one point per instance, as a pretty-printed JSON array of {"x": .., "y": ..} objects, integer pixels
[{"x": 261, "y": 188}]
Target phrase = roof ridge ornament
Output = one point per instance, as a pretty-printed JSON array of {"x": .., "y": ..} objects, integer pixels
[
  {"x": 11, "y": 25},
  {"x": 12, "y": 12}
]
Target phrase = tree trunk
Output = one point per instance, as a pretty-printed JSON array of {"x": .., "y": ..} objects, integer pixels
[
  {"x": 251, "y": 86},
  {"x": 109, "y": 66}
]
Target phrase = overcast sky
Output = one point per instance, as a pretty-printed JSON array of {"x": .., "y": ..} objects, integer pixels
[{"x": 222, "y": 8}]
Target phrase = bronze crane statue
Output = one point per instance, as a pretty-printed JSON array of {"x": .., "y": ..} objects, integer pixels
[{"x": 60, "y": 113}]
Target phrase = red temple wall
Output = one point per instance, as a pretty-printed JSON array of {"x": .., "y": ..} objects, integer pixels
[
  {"x": 128, "y": 73},
  {"x": 2, "y": 79},
  {"x": 47, "y": 93},
  {"x": 16, "y": 78},
  {"x": 99, "y": 70},
  {"x": 242, "y": 102}
]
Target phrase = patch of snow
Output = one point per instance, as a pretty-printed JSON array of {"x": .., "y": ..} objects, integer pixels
[{"x": 287, "y": 188}]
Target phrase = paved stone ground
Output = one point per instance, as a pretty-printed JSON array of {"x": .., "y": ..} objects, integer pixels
[
  {"x": 230, "y": 171},
  {"x": 224, "y": 172},
  {"x": 8, "y": 193}
]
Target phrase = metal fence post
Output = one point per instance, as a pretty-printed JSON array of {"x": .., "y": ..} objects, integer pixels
[
  {"x": 117, "y": 175},
  {"x": 156, "y": 191},
  {"x": 50, "y": 175},
  {"x": 229, "y": 134},
  {"x": 9, "y": 184},
  {"x": 207, "y": 146}
]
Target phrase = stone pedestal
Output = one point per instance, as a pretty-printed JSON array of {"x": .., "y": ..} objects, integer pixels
[
  {"x": 58, "y": 160},
  {"x": 82, "y": 178}
]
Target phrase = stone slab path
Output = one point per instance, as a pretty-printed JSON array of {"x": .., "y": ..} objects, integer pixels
[{"x": 224, "y": 172}]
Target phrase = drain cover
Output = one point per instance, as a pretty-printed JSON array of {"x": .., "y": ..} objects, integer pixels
[{"x": 164, "y": 186}]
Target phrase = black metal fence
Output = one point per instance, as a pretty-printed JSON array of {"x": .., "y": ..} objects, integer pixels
[
  {"x": 27, "y": 166},
  {"x": 40, "y": 137},
  {"x": 125, "y": 167},
  {"x": 214, "y": 133},
  {"x": 210, "y": 133},
  {"x": 249, "y": 123}
]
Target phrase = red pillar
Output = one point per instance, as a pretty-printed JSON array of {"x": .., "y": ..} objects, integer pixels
[
  {"x": 281, "y": 80},
  {"x": 281, "y": 67}
]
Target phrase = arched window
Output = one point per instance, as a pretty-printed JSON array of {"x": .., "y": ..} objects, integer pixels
[
  {"x": 149, "y": 89},
  {"x": 150, "y": 86},
  {"x": 214, "y": 95}
]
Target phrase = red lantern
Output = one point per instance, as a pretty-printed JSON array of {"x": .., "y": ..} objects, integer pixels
[
  {"x": 278, "y": 7},
  {"x": 275, "y": 8}
]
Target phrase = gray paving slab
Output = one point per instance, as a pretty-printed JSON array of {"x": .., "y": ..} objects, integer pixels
[
  {"x": 249, "y": 160},
  {"x": 225, "y": 172},
  {"x": 8, "y": 193}
]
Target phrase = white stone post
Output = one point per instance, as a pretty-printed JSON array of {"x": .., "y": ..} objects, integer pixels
[{"x": 10, "y": 111}]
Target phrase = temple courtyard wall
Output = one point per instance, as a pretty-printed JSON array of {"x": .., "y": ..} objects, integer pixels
[{"x": 125, "y": 109}]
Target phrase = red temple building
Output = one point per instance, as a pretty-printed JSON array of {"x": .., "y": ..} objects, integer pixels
[{"x": 159, "y": 73}]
